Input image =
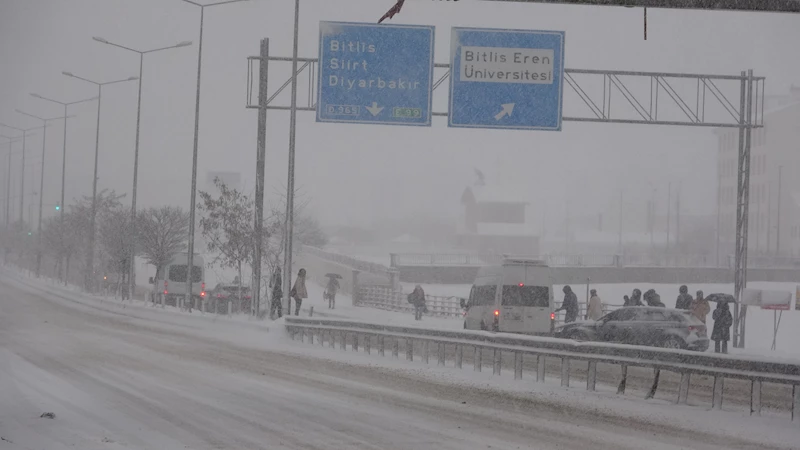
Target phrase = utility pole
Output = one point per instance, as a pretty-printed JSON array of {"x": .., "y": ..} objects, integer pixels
[
  {"x": 678, "y": 222},
  {"x": 769, "y": 218},
  {"x": 719, "y": 209},
  {"x": 261, "y": 150},
  {"x": 669, "y": 212},
  {"x": 620, "y": 223},
  {"x": 778, "y": 231}
]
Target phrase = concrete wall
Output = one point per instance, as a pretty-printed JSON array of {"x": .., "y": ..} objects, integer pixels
[
  {"x": 317, "y": 267},
  {"x": 606, "y": 275}
]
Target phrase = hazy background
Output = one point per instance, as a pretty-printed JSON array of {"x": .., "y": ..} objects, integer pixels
[{"x": 361, "y": 174}]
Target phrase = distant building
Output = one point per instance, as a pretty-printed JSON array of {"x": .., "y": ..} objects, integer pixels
[
  {"x": 494, "y": 220},
  {"x": 774, "y": 149}
]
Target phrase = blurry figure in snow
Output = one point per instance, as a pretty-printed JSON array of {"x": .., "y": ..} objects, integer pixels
[
  {"x": 417, "y": 298},
  {"x": 653, "y": 299},
  {"x": 276, "y": 304},
  {"x": 330, "y": 291},
  {"x": 684, "y": 300},
  {"x": 570, "y": 305},
  {"x": 700, "y": 307},
  {"x": 722, "y": 327},
  {"x": 299, "y": 291},
  {"x": 635, "y": 299},
  {"x": 595, "y": 311}
]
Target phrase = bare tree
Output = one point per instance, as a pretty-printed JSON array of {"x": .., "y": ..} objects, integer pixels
[
  {"x": 162, "y": 233},
  {"x": 115, "y": 241},
  {"x": 226, "y": 223}
]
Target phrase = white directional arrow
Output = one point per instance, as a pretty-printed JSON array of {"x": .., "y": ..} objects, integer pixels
[
  {"x": 375, "y": 109},
  {"x": 508, "y": 108}
]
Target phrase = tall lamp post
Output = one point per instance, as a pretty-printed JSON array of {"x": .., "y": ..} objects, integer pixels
[
  {"x": 41, "y": 187},
  {"x": 131, "y": 267},
  {"x": 66, "y": 105},
  {"x": 10, "y": 140},
  {"x": 22, "y": 169},
  {"x": 193, "y": 193},
  {"x": 89, "y": 281}
]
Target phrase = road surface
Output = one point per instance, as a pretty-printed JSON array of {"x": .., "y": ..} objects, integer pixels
[{"x": 115, "y": 381}]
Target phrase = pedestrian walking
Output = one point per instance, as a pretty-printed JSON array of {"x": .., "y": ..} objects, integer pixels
[
  {"x": 595, "y": 310},
  {"x": 700, "y": 307},
  {"x": 570, "y": 305},
  {"x": 299, "y": 291},
  {"x": 684, "y": 300},
  {"x": 635, "y": 299},
  {"x": 276, "y": 302},
  {"x": 417, "y": 299},
  {"x": 330, "y": 291},
  {"x": 722, "y": 327},
  {"x": 653, "y": 299}
]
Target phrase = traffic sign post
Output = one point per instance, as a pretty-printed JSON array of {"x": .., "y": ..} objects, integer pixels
[
  {"x": 371, "y": 73},
  {"x": 509, "y": 79}
]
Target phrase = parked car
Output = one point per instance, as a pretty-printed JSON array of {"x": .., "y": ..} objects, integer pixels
[
  {"x": 171, "y": 281},
  {"x": 223, "y": 292},
  {"x": 642, "y": 325}
]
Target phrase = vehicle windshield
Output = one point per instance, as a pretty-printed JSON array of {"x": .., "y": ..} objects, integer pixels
[
  {"x": 515, "y": 295},
  {"x": 178, "y": 274}
]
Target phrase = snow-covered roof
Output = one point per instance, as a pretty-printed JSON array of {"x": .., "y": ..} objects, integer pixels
[
  {"x": 495, "y": 194},
  {"x": 504, "y": 229}
]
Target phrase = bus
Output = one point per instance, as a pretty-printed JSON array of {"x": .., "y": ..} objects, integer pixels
[{"x": 514, "y": 297}]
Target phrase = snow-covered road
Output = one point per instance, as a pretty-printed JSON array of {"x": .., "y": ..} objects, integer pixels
[{"x": 120, "y": 381}]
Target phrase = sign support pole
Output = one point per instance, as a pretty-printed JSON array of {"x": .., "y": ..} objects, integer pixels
[
  {"x": 260, "y": 156},
  {"x": 289, "y": 222}
]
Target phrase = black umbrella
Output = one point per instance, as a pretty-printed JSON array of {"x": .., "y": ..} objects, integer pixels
[
  {"x": 333, "y": 275},
  {"x": 721, "y": 298}
]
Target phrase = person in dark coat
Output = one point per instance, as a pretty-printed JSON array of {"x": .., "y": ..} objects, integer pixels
[
  {"x": 417, "y": 299},
  {"x": 653, "y": 299},
  {"x": 684, "y": 300},
  {"x": 276, "y": 302},
  {"x": 722, "y": 327},
  {"x": 635, "y": 299},
  {"x": 570, "y": 305}
]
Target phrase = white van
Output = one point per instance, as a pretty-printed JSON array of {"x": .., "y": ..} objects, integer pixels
[
  {"x": 171, "y": 282},
  {"x": 514, "y": 297}
]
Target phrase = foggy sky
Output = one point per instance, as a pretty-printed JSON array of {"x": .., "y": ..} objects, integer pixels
[{"x": 357, "y": 174}]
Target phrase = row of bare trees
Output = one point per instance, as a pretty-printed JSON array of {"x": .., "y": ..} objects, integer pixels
[{"x": 226, "y": 225}]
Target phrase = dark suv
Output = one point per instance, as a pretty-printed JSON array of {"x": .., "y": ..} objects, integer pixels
[{"x": 642, "y": 325}]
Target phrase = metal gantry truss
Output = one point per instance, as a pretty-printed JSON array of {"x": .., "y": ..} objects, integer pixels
[{"x": 613, "y": 96}]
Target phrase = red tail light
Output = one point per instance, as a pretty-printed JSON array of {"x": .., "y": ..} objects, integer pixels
[
  {"x": 202, "y": 294},
  {"x": 521, "y": 284},
  {"x": 552, "y": 316},
  {"x": 219, "y": 295},
  {"x": 165, "y": 292},
  {"x": 496, "y": 312},
  {"x": 247, "y": 297},
  {"x": 697, "y": 328}
]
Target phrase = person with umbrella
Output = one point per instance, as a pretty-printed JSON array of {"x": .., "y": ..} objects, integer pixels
[
  {"x": 331, "y": 289},
  {"x": 722, "y": 327}
]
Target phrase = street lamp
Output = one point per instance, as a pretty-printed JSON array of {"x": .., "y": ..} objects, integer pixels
[
  {"x": 10, "y": 140},
  {"x": 88, "y": 284},
  {"x": 41, "y": 187},
  {"x": 22, "y": 169},
  {"x": 141, "y": 53},
  {"x": 192, "y": 195},
  {"x": 63, "y": 160}
]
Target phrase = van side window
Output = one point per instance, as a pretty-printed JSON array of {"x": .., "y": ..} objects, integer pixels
[
  {"x": 482, "y": 295},
  {"x": 535, "y": 296}
]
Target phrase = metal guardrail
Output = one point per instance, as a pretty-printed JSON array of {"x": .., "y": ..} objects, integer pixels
[
  {"x": 383, "y": 297},
  {"x": 453, "y": 259},
  {"x": 682, "y": 362}
]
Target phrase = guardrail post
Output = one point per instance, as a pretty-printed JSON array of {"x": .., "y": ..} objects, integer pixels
[
  {"x": 396, "y": 348},
  {"x": 796, "y": 403},
  {"x": 161, "y": 299},
  {"x": 230, "y": 306},
  {"x": 755, "y": 398},
  {"x": 321, "y": 338},
  {"x": 683, "y": 389},
  {"x": 497, "y": 357},
  {"x": 343, "y": 342},
  {"x": 459, "y": 355},
  {"x": 624, "y": 381},
  {"x": 517, "y": 365},
  {"x": 540, "y": 361},
  {"x": 654, "y": 387},
  {"x": 440, "y": 360},
  {"x": 476, "y": 359},
  {"x": 367, "y": 343},
  {"x": 564, "y": 372},
  {"x": 425, "y": 352},
  {"x": 409, "y": 350},
  {"x": 591, "y": 376},
  {"x": 717, "y": 393},
  {"x": 355, "y": 342},
  {"x": 380, "y": 345}
]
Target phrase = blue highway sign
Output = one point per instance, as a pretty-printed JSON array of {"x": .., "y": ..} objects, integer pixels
[
  {"x": 506, "y": 79},
  {"x": 375, "y": 73}
]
